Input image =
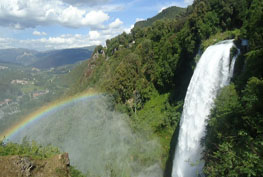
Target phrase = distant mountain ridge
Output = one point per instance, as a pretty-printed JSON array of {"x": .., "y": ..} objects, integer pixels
[
  {"x": 47, "y": 59},
  {"x": 62, "y": 57},
  {"x": 18, "y": 56},
  {"x": 169, "y": 13}
]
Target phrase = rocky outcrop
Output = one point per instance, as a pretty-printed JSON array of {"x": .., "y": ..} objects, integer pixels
[{"x": 20, "y": 166}]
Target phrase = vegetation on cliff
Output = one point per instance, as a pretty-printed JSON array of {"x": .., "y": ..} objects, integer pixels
[
  {"x": 148, "y": 71},
  {"x": 32, "y": 159},
  {"x": 168, "y": 13},
  {"x": 234, "y": 141}
]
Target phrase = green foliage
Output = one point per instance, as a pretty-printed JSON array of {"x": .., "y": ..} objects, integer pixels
[
  {"x": 160, "y": 117},
  {"x": 121, "y": 41},
  {"x": 32, "y": 149},
  {"x": 254, "y": 63},
  {"x": 169, "y": 13},
  {"x": 158, "y": 113},
  {"x": 126, "y": 77},
  {"x": 49, "y": 83},
  {"x": 98, "y": 49},
  {"x": 142, "y": 62},
  {"x": 208, "y": 24},
  {"x": 234, "y": 141},
  {"x": 253, "y": 96},
  {"x": 253, "y": 27},
  {"x": 75, "y": 173},
  {"x": 220, "y": 36}
]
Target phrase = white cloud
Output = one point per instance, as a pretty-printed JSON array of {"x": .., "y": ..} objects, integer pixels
[
  {"x": 184, "y": 3},
  {"x": 188, "y": 2},
  {"x": 94, "y": 37},
  {"x": 128, "y": 30},
  {"x": 94, "y": 34},
  {"x": 17, "y": 26},
  {"x": 162, "y": 9},
  {"x": 116, "y": 24},
  {"x": 139, "y": 19},
  {"x": 21, "y": 14},
  {"x": 85, "y": 2},
  {"x": 38, "y": 33},
  {"x": 7, "y": 42},
  {"x": 95, "y": 18},
  {"x": 111, "y": 7}
]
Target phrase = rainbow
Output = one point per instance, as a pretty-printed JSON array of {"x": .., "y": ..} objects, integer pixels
[{"x": 45, "y": 111}]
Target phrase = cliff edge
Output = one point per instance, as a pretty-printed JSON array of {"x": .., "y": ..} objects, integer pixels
[{"x": 22, "y": 166}]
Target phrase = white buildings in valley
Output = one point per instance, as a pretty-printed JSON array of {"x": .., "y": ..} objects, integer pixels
[
  {"x": 5, "y": 102},
  {"x": 3, "y": 67},
  {"x": 22, "y": 82}
]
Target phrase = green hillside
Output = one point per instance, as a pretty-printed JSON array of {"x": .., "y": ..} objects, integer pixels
[
  {"x": 47, "y": 59},
  {"x": 148, "y": 71},
  {"x": 168, "y": 13},
  {"x": 18, "y": 56},
  {"x": 56, "y": 58}
]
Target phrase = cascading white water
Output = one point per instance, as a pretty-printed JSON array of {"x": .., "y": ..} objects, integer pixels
[{"x": 213, "y": 72}]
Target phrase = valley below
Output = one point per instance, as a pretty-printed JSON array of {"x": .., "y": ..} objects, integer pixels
[{"x": 25, "y": 89}]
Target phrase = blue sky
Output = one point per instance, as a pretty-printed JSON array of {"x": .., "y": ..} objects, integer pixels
[{"x": 55, "y": 24}]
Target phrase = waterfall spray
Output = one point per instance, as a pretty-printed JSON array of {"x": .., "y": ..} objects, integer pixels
[{"x": 214, "y": 71}]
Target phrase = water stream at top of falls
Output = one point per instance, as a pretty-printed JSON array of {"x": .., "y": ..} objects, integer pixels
[{"x": 213, "y": 71}]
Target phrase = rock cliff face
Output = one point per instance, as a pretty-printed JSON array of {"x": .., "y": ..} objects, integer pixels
[{"x": 20, "y": 166}]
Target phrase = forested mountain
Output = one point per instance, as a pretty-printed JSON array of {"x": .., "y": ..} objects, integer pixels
[
  {"x": 168, "y": 13},
  {"x": 62, "y": 57},
  {"x": 48, "y": 59},
  {"x": 18, "y": 56},
  {"x": 148, "y": 70}
]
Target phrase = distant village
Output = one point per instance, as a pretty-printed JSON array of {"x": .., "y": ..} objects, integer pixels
[
  {"x": 28, "y": 86},
  {"x": 33, "y": 95},
  {"x": 3, "y": 67},
  {"x": 5, "y": 102},
  {"x": 22, "y": 82},
  {"x": 39, "y": 93}
]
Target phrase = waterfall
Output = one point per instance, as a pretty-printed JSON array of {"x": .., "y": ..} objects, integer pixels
[{"x": 212, "y": 72}]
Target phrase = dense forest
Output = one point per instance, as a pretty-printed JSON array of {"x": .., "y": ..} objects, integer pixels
[{"x": 147, "y": 72}]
